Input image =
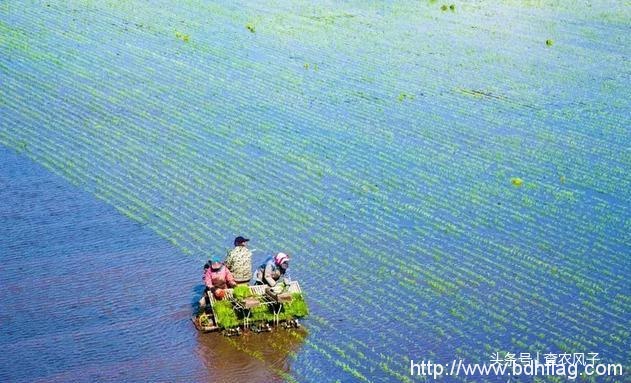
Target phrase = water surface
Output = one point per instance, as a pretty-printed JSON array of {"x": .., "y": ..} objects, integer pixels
[
  {"x": 88, "y": 295},
  {"x": 374, "y": 141}
]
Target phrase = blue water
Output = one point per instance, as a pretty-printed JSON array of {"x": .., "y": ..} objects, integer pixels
[
  {"x": 88, "y": 295},
  {"x": 375, "y": 142}
]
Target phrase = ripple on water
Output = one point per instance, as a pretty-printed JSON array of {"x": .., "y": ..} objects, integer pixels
[{"x": 88, "y": 295}]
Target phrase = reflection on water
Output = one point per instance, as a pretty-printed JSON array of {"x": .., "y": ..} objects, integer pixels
[
  {"x": 86, "y": 295},
  {"x": 251, "y": 357}
]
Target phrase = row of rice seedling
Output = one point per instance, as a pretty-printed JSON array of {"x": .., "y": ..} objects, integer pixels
[{"x": 386, "y": 221}]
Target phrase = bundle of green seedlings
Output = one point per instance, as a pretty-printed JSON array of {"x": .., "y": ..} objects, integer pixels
[
  {"x": 225, "y": 315},
  {"x": 297, "y": 308},
  {"x": 261, "y": 313},
  {"x": 241, "y": 292}
]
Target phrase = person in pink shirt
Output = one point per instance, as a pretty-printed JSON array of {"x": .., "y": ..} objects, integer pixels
[{"x": 217, "y": 277}]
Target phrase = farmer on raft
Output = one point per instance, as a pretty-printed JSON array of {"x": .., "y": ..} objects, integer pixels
[
  {"x": 217, "y": 277},
  {"x": 272, "y": 270},
  {"x": 239, "y": 261}
]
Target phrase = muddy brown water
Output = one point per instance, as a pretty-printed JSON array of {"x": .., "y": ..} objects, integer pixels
[{"x": 87, "y": 295}]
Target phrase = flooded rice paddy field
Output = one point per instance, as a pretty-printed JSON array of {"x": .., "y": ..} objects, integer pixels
[
  {"x": 451, "y": 183},
  {"x": 89, "y": 295}
]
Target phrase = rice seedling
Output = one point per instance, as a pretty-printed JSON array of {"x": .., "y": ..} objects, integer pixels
[
  {"x": 225, "y": 315},
  {"x": 404, "y": 96},
  {"x": 182, "y": 36},
  {"x": 261, "y": 313},
  {"x": 241, "y": 292},
  {"x": 297, "y": 308}
]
